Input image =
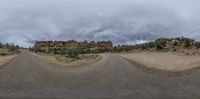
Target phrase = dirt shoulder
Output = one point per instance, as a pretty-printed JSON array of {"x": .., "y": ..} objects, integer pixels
[
  {"x": 60, "y": 60},
  {"x": 5, "y": 59},
  {"x": 168, "y": 63}
]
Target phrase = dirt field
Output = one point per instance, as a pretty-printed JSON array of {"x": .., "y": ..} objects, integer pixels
[
  {"x": 169, "y": 61},
  {"x": 58, "y": 60}
]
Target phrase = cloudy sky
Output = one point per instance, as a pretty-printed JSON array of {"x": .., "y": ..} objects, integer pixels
[{"x": 122, "y": 21}]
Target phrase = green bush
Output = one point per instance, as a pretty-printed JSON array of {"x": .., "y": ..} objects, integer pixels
[
  {"x": 160, "y": 44},
  {"x": 72, "y": 53},
  {"x": 197, "y": 44}
]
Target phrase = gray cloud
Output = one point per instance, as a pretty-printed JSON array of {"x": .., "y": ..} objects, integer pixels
[{"x": 122, "y": 21}]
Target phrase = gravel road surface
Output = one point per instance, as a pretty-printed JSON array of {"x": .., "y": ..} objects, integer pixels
[{"x": 26, "y": 77}]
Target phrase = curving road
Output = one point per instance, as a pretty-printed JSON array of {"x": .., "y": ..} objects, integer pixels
[{"x": 110, "y": 78}]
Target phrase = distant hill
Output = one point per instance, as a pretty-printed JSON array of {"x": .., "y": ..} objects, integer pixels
[{"x": 166, "y": 43}]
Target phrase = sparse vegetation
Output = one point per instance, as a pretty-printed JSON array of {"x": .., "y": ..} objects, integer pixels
[
  {"x": 162, "y": 44},
  {"x": 8, "y": 49},
  {"x": 89, "y": 56},
  {"x": 72, "y": 53},
  {"x": 7, "y": 52}
]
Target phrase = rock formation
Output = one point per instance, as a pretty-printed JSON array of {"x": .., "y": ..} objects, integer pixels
[{"x": 73, "y": 44}]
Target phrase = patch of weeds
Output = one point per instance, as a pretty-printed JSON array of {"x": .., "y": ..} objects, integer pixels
[{"x": 3, "y": 54}]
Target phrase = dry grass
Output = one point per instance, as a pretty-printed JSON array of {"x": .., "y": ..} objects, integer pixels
[
  {"x": 6, "y": 52},
  {"x": 170, "y": 61},
  {"x": 5, "y": 56},
  {"x": 61, "y": 60}
]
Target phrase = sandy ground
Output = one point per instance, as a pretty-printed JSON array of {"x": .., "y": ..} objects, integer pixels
[
  {"x": 52, "y": 60},
  {"x": 5, "y": 59},
  {"x": 165, "y": 61}
]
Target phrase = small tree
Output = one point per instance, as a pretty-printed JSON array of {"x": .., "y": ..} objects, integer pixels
[
  {"x": 62, "y": 51},
  {"x": 72, "y": 53},
  {"x": 160, "y": 44},
  {"x": 12, "y": 48},
  {"x": 197, "y": 44},
  {"x": 1, "y": 45},
  {"x": 187, "y": 44}
]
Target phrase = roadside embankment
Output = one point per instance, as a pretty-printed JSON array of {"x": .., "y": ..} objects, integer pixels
[
  {"x": 84, "y": 59},
  {"x": 5, "y": 59},
  {"x": 164, "y": 63}
]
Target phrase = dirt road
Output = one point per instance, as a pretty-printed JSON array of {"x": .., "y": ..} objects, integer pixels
[{"x": 110, "y": 78}]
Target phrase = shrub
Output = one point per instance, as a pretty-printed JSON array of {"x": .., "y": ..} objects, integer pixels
[
  {"x": 160, "y": 44},
  {"x": 174, "y": 50},
  {"x": 197, "y": 44},
  {"x": 72, "y": 53},
  {"x": 3, "y": 54}
]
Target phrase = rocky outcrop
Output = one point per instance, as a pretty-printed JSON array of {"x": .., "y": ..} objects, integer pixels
[
  {"x": 175, "y": 43},
  {"x": 73, "y": 44},
  {"x": 163, "y": 43}
]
